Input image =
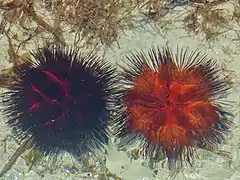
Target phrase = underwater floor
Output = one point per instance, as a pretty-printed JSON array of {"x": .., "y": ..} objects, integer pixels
[{"x": 224, "y": 164}]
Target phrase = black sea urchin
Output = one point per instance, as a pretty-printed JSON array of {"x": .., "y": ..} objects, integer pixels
[
  {"x": 172, "y": 102},
  {"x": 62, "y": 101}
]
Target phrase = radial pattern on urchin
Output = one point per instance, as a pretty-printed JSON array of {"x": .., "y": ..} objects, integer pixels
[
  {"x": 172, "y": 102},
  {"x": 62, "y": 100}
]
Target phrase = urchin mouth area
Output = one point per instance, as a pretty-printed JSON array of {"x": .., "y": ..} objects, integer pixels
[{"x": 188, "y": 113}]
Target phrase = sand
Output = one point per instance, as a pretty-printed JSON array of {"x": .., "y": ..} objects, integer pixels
[{"x": 208, "y": 166}]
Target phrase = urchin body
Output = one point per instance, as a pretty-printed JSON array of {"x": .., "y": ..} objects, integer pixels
[
  {"x": 171, "y": 103},
  {"x": 62, "y": 101}
]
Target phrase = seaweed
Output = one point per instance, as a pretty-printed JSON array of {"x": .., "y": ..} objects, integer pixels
[
  {"x": 209, "y": 19},
  {"x": 23, "y": 147},
  {"x": 93, "y": 24},
  {"x": 157, "y": 9}
]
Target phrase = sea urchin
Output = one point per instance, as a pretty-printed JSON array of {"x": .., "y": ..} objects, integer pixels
[
  {"x": 61, "y": 101},
  {"x": 172, "y": 103}
]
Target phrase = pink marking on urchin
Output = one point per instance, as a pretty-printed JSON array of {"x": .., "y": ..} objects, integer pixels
[{"x": 63, "y": 84}]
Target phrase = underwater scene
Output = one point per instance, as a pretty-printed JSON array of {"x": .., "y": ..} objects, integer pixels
[{"x": 120, "y": 89}]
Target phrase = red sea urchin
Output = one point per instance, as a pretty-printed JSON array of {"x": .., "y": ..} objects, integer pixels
[
  {"x": 171, "y": 102},
  {"x": 62, "y": 101}
]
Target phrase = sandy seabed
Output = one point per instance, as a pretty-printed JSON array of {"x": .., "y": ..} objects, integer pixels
[{"x": 209, "y": 166}]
